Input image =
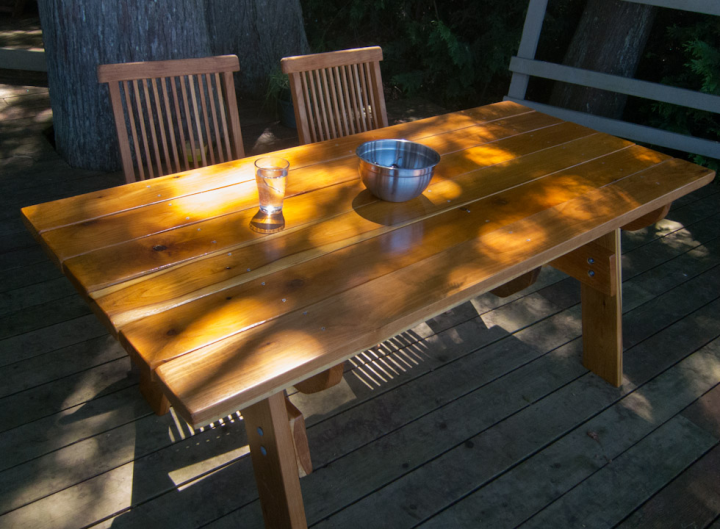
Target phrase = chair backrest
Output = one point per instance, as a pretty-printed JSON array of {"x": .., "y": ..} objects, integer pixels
[
  {"x": 181, "y": 114},
  {"x": 337, "y": 93},
  {"x": 525, "y": 65}
]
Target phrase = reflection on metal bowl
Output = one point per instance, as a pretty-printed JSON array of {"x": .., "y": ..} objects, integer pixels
[{"x": 396, "y": 170}]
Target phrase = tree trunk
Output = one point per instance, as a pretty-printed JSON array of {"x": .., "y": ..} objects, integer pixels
[
  {"x": 260, "y": 33},
  {"x": 81, "y": 34},
  {"x": 610, "y": 38}
]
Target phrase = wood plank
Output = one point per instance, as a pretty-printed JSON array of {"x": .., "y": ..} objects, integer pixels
[
  {"x": 273, "y": 456},
  {"x": 602, "y": 319},
  {"x": 160, "y": 337},
  {"x": 577, "y": 455},
  {"x": 49, "y": 338},
  {"x": 41, "y": 316},
  {"x": 109, "y": 266},
  {"x": 33, "y": 295},
  {"x": 94, "y": 205},
  {"x": 160, "y": 464},
  {"x": 473, "y": 458},
  {"x": 331, "y": 59},
  {"x": 597, "y": 211},
  {"x": 142, "y": 70},
  {"x": 61, "y": 363},
  {"x": 519, "y": 283},
  {"x": 705, "y": 412},
  {"x": 594, "y": 266},
  {"x": 83, "y": 237},
  {"x": 693, "y": 499},
  {"x": 606, "y": 496}
]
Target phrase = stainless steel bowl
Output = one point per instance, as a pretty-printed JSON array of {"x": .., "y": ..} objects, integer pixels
[{"x": 396, "y": 170}]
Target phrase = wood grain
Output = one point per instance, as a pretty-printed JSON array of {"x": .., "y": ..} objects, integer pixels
[
  {"x": 90, "y": 206},
  {"x": 176, "y": 331},
  {"x": 602, "y": 318},
  {"x": 273, "y": 456},
  {"x": 248, "y": 366},
  {"x": 108, "y": 266},
  {"x": 79, "y": 238},
  {"x": 593, "y": 265}
]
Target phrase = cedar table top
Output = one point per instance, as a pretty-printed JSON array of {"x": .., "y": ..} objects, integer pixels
[{"x": 226, "y": 317}]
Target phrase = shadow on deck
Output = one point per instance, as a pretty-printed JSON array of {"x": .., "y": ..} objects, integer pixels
[{"x": 481, "y": 417}]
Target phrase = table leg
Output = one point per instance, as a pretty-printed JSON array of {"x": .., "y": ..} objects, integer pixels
[
  {"x": 602, "y": 320},
  {"x": 273, "y": 456},
  {"x": 153, "y": 394}
]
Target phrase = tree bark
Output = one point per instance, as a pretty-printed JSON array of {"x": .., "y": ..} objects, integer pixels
[
  {"x": 79, "y": 35},
  {"x": 610, "y": 38},
  {"x": 260, "y": 33}
]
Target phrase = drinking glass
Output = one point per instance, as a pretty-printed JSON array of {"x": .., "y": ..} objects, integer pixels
[{"x": 271, "y": 178}]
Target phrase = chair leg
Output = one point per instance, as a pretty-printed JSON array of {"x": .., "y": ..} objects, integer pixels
[{"x": 274, "y": 461}]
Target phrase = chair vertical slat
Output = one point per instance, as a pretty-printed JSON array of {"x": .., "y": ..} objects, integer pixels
[
  {"x": 122, "y": 133},
  {"x": 316, "y": 108},
  {"x": 299, "y": 92},
  {"x": 309, "y": 120},
  {"x": 353, "y": 98},
  {"x": 347, "y": 104},
  {"x": 151, "y": 126},
  {"x": 141, "y": 119},
  {"x": 223, "y": 120},
  {"x": 362, "y": 118},
  {"x": 379, "y": 109},
  {"x": 161, "y": 125},
  {"x": 366, "y": 95},
  {"x": 151, "y": 106},
  {"x": 341, "y": 102},
  {"x": 231, "y": 102},
  {"x": 133, "y": 129},
  {"x": 189, "y": 120},
  {"x": 328, "y": 104},
  {"x": 336, "y": 106},
  {"x": 337, "y": 93},
  {"x": 173, "y": 85},
  {"x": 323, "y": 112},
  {"x": 208, "y": 138},
  {"x": 168, "y": 117}
]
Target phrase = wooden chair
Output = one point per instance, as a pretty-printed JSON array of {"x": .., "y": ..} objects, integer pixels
[
  {"x": 182, "y": 114},
  {"x": 336, "y": 94}
]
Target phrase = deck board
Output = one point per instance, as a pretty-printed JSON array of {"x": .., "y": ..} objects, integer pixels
[{"x": 458, "y": 416}]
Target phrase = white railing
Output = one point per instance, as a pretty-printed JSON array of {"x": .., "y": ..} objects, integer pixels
[{"x": 524, "y": 65}]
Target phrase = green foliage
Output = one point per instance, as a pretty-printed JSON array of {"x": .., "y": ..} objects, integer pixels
[
  {"x": 456, "y": 52},
  {"x": 685, "y": 52}
]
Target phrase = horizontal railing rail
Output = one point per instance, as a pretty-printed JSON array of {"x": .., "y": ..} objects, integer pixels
[{"x": 524, "y": 66}]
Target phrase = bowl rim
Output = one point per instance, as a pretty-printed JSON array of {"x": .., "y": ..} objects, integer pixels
[{"x": 397, "y": 140}]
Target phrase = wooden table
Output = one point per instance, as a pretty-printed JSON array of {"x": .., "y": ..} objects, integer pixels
[{"x": 221, "y": 318}]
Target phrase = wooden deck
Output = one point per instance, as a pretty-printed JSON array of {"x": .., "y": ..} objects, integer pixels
[{"x": 482, "y": 417}]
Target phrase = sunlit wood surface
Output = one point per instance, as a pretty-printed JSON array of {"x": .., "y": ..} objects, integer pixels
[
  {"x": 462, "y": 421},
  {"x": 226, "y": 317}
]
